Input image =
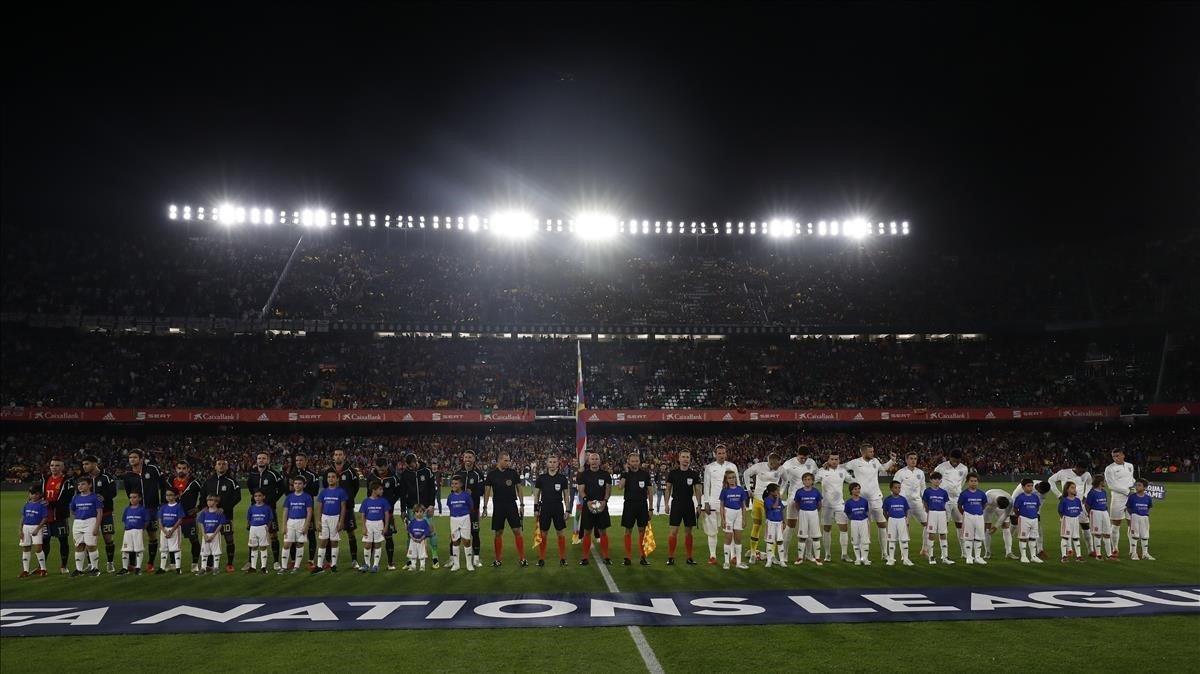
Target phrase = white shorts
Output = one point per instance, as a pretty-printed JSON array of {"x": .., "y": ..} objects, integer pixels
[
  {"x": 1068, "y": 527},
  {"x": 329, "y": 528},
  {"x": 1027, "y": 528},
  {"x": 169, "y": 543},
  {"x": 295, "y": 532},
  {"x": 973, "y": 529},
  {"x": 83, "y": 531},
  {"x": 916, "y": 508},
  {"x": 936, "y": 523},
  {"x": 808, "y": 525},
  {"x": 712, "y": 520},
  {"x": 133, "y": 540},
  {"x": 833, "y": 513},
  {"x": 774, "y": 532},
  {"x": 373, "y": 531},
  {"x": 952, "y": 510},
  {"x": 733, "y": 520},
  {"x": 1140, "y": 524},
  {"x": 1101, "y": 525},
  {"x": 876, "y": 503},
  {"x": 31, "y": 534},
  {"x": 212, "y": 547},
  {"x": 897, "y": 529},
  {"x": 259, "y": 538},
  {"x": 1116, "y": 506},
  {"x": 416, "y": 549},
  {"x": 792, "y": 510},
  {"x": 860, "y": 532},
  {"x": 460, "y": 528}
]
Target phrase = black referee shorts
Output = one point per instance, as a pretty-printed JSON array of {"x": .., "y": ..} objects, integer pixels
[
  {"x": 547, "y": 517},
  {"x": 590, "y": 520},
  {"x": 505, "y": 513},
  {"x": 683, "y": 513},
  {"x": 635, "y": 514}
]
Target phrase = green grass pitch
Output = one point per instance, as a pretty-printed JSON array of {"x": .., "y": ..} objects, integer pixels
[{"x": 1157, "y": 641}]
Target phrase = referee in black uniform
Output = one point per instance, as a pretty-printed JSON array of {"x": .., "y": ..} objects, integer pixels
[
  {"x": 636, "y": 483},
  {"x": 551, "y": 496},
  {"x": 504, "y": 484},
  {"x": 683, "y": 502},
  {"x": 595, "y": 485}
]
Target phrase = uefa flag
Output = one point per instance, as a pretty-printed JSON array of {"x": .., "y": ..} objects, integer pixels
[
  {"x": 648, "y": 542},
  {"x": 580, "y": 408}
]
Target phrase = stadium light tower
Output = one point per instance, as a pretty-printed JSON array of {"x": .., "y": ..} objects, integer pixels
[
  {"x": 511, "y": 224},
  {"x": 781, "y": 228},
  {"x": 595, "y": 226}
]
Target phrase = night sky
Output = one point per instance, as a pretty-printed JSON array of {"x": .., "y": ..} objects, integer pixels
[{"x": 968, "y": 120}]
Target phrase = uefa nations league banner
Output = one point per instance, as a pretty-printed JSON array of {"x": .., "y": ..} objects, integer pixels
[{"x": 590, "y": 610}]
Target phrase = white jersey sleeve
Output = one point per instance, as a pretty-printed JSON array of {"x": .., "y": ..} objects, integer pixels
[
  {"x": 748, "y": 478},
  {"x": 1059, "y": 480},
  {"x": 954, "y": 478},
  {"x": 1119, "y": 477}
]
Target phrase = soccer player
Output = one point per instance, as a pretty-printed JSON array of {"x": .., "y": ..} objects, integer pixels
[
  {"x": 212, "y": 522},
  {"x": 263, "y": 477},
  {"x": 503, "y": 487},
  {"x": 377, "y": 518},
  {"x": 461, "y": 505},
  {"x": 222, "y": 485},
  {"x": 1027, "y": 506},
  {"x": 636, "y": 511},
  {"x": 133, "y": 538},
  {"x": 348, "y": 481},
  {"x": 86, "y": 508},
  {"x": 866, "y": 470},
  {"x": 419, "y": 485},
  {"x": 831, "y": 478},
  {"x": 773, "y": 507},
  {"x": 312, "y": 487},
  {"x": 971, "y": 503},
  {"x": 392, "y": 494},
  {"x": 793, "y": 479},
  {"x": 757, "y": 477},
  {"x": 735, "y": 501},
  {"x": 58, "y": 489},
  {"x": 418, "y": 531},
  {"x": 188, "y": 495},
  {"x": 595, "y": 486},
  {"x": 473, "y": 482},
  {"x": 1139, "y": 505},
  {"x": 104, "y": 487},
  {"x": 857, "y": 510},
  {"x": 552, "y": 498},
  {"x": 998, "y": 514},
  {"x": 1079, "y": 476},
  {"x": 1069, "y": 510},
  {"x": 1096, "y": 506},
  {"x": 808, "y": 502},
  {"x": 912, "y": 485},
  {"x": 1119, "y": 478},
  {"x": 897, "y": 508},
  {"x": 145, "y": 478},
  {"x": 170, "y": 521},
  {"x": 954, "y": 479},
  {"x": 683, "y": 503},
  {"x": 714, "y": 481},
  {"x": 33, "y": 518},
  {"x": 299, "y": 508},
  {"x": 259, "y": 517},
  {"x": 935, "y": 499},
  {"x": 334, "y": 504}
]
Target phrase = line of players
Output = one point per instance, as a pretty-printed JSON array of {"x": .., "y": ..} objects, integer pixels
[{"x": 189, "y": 509}]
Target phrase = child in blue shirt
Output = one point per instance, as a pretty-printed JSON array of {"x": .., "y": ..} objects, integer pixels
[
  {"x": 33, "y": 520},
  {"x": 773, "y": 507},
  {"x": 896, "y": 508},
  {"x": 1026, "y": 506},
  {"x": 1069, "y": 510},
  {"x": 857, "y": 509},
  {"x": 1139, "y": 504},
  {"x": 418, "y": 531},
  {"x": 133, "y": 540},
  {"x": 735, "y": 501}
]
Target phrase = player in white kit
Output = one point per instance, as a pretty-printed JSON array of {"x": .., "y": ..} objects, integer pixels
[
  {"x": 866, "y": 471},
  {"x": 1119, "y": 476},
  {"x": 1078, "y": 476},
  {"x": 954, "y": 480},
  {"x": 756, "y": 479},
  {"x": 997, "y": 515},
  {"x": 912, "y": 485},
  {"x": 714, "y": 478},
  {"x": 794, "y": 470},
  {"x": 831, "y": 478}
]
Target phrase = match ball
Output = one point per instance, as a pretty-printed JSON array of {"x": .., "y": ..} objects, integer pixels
[{"x": 596, "y": 506}]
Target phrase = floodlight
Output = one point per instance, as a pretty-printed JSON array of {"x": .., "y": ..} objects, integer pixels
[
  {"x": 255, "y": 216},
  {"x": 822, "y": 228},
  {"x": 320, "y": 217},
  {"x": 228, "y": 214},
  {"x": 514, "y": 224},
  {"x": 782, "y": 228},
  {"x": 597, "y": 226},
  {"x": 172, "y": 211},
  {"x": 187, "y": 212},
  {"x": 473, "y": 223},
  {"x": 856, "y": 228},
  {"x": 904, "y": 227}
]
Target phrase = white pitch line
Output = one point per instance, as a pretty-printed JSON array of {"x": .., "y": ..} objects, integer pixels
[{"x": 651, "y": 661}]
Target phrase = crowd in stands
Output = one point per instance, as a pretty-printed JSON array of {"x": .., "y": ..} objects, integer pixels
[
  {"x": 1171, "y": 449},
  {"x": 453, "y": 277},
  {"x": 63, "y": 368}
]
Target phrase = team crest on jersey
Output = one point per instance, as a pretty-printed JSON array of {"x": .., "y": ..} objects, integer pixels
[
  {"x": 224, "y": 488},
  {"x": 689, "y": 480},
  {"x": 508, "y": 483},
  {"x": 641, "y": 483},
  {"x": 557, "y": 487},
  {"x": 601, "y": 482}
]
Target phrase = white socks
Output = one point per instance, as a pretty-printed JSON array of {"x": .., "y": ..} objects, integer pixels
[
  {"x": 25, "y": 556},
  {"x": 843, "y": 541},
  {"x": 1007, "y": 535},
  {"x": 712, "y": 547},
  {"x": 827, "y": 540}
]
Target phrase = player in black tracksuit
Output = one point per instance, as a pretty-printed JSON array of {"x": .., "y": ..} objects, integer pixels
[
  {"x": 106, "y": 487},
  {"x": 58, "y": 488},
  {"x": 187, "y": 493},
  {"x": 263, "y": 477},
  {"x": 348, "y": 480},
  {"x": 312, "y": 487},
  {"x": 472, "y": 480},
  {"x": 418, "y": 485},
  {"x": 145, "y": 478},
  {"x": 392, "y": 492},
  {"x": 224, "y": 486}
]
